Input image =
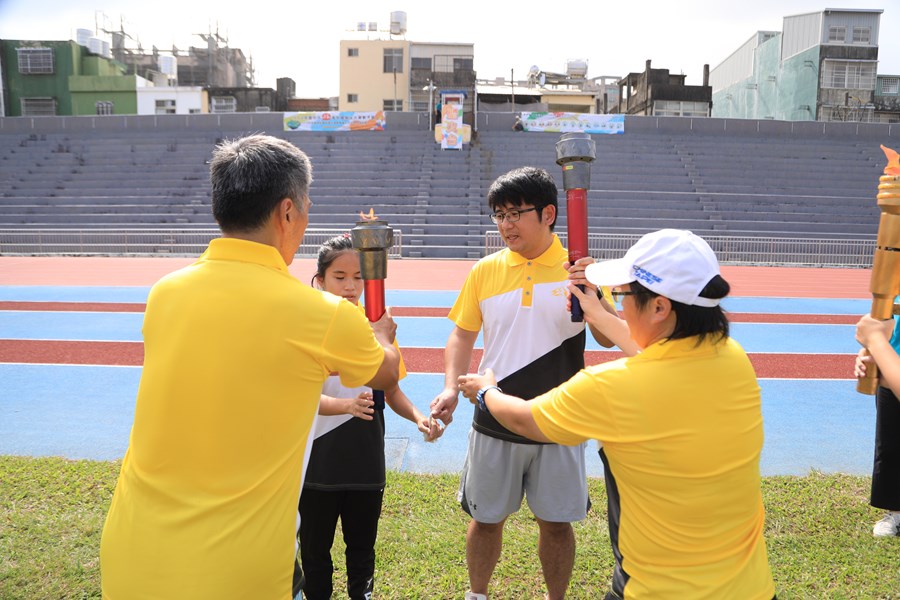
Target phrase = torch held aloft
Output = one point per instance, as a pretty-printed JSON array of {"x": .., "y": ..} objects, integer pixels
[
  {"x": 885, "y": 282},
  {"x": 574, "y": 153},
  {"x": 373, "y": 238}
]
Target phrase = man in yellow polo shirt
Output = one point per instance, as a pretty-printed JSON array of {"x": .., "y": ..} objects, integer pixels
[
  {"x": 235, "y": 354},
  {"x": 680, "y": 422}
]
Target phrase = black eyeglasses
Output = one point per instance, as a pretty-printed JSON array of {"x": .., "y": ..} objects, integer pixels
[
  {"x": 511, "y": 216},
  {"x": 619, "y": 294}
]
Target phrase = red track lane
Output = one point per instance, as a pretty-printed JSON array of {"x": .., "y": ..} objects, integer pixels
[
  {"x": 418, "y": 360},
  {"x": 411, "y": 311}
]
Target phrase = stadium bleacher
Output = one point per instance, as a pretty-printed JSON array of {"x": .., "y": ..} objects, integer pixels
[{"x": 741, "y": 183}]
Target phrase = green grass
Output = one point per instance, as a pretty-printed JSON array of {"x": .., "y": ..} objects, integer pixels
[{"x": 818, "y": 530}]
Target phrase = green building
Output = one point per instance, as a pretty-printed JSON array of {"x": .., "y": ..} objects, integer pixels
[
  {"x": 821, "y": 67},
  {"x": 49, "y": 78}
]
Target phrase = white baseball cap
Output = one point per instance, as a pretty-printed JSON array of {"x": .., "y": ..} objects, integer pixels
[{"x": 670, "y": 262}]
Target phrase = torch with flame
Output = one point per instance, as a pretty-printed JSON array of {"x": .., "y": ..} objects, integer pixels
[
  {"x": 574, "y": 153},
  {"x": 372, "y": 238},
  {"x": 885, "y": 282}
]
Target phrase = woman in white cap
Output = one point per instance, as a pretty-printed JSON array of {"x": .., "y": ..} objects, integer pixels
[{"x": 680, "y": 424}]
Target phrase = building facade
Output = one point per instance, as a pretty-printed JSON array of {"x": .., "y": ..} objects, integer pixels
[
  {"x": 49, "y": 78},
  {"x": 821, "y": 67},
  {"x": 887, "y": 99},
  {"x": 656, "y": 92},
  {"x": 400, "y": 75},
  {"x": 171, "y": 100}
]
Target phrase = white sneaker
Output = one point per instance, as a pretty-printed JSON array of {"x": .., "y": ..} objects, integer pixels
[
  {"x": 889, "y": 526},
  {"x": 474, "y": 596}
]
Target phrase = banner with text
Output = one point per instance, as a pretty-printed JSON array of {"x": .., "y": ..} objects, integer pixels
[
  {"x": 334, "y": 121},
  {"x": 565, "y": 121}
]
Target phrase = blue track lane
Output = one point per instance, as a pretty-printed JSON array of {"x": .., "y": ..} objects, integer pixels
[{"x": 86, "y": 412}]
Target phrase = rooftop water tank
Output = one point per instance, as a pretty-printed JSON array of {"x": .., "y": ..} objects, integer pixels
[
  {"x": 398, "y": 22},
  {"x": 168, "y": 64},
  {"x": 577, "y": 68},
  {"x": 82, "y": 36},
  {"x": 95, "y": 45}
]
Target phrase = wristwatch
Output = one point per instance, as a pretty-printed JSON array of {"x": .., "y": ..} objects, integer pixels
[{"x": 479, "y": 397}]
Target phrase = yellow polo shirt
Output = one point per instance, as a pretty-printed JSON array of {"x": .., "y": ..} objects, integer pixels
[
  {"x": 682, "y": 432},
  {"x": 235, "y": 354}
]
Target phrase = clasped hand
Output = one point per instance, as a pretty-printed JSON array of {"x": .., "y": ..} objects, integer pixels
[{"x": 470, "y": 383}]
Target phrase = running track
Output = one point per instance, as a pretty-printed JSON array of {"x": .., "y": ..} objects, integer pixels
[{"x": 70, "y": 356}]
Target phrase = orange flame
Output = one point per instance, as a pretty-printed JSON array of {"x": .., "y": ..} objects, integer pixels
[
  {"x": 368, "y": 217},
  {"x": 893, "y": 166}
]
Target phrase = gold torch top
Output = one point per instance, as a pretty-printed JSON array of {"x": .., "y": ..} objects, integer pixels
[
  {"x": 889, "y": 184},
  {"x": 372, "y": 237}
]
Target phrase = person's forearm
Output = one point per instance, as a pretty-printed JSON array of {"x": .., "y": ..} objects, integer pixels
[
  {"x": 514, "y": 414},
  {"x": 388, "y": 372},
  {"x": 888, "y": 363},
  {"x": 615, "y": 330},
  {"x": 329, "y": 406},
  {"x": 402, "y": 405},
  {"x": 458, "y": 356}
]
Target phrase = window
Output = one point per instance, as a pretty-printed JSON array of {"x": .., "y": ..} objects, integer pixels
[
  {"x": 224, "y": 104},
  {"x": 38, "y": 107},
  {"x": 352, "y": 51},
  {"x": 419, "y": 106},
  {"x": 463, "y": 64},
  {"x": 165, "y": 107},
  {"x": 676, "y": 108},
  {"x": 837, "y": 34},
  {"x": 890, "y": 86},
  {"x": 35, "y": 61},
  {"x": 841, "y": 74},
  {"x": 351, "y": 98},
  {"x": 393, "y": 60},
  {"x": 862, "y": 35},
  {"x": 104, "y": 107},
  {"x": 420, "y": 63},
  {"x": 194, "y": 111},
  {"x": 395, "y": 105}
]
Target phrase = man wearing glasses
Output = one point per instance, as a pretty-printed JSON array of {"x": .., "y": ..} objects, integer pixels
[
  {"x": 680, "y": 422},
  {"x": 518, "y": 297}
]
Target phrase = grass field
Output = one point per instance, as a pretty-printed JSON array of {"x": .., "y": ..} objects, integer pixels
[{"x": 818, "y": 532}]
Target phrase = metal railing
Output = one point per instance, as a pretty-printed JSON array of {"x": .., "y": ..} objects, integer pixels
[
  {"x": 141, "y": 242},
  {"x": 734, "y": 250}
]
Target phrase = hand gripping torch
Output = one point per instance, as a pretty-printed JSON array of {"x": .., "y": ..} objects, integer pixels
[
  {"x": 885, "y": 282},
  {"x": 574, "y": 153},
  {"x": 372, "y": 238}
]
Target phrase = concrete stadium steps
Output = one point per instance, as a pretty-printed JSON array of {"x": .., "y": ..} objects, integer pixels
[{"x": 641, "y": 181}]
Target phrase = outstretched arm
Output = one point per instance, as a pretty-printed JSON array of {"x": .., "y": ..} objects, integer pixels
[
  {"x": 457, "y": 357},
  {"x": 403, "y": 406},
  {"x": 512, "y": 412},
  {"x": 604, "y": 322}
]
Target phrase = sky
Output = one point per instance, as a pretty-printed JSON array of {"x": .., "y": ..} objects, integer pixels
[{"x": 302, "y": 41}]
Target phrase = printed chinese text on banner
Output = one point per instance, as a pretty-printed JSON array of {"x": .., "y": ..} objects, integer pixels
[
  {"x": 334, "y": 121},
  {"x": 564, "y": 122}
]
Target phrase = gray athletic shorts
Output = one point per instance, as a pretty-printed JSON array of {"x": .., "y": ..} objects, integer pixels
[{"x": 498, "y": 473}]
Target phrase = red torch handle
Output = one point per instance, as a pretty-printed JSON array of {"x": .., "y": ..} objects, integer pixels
[
  {"x": 577, "y": 224},
  {"x": 374, "y": 291}
]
